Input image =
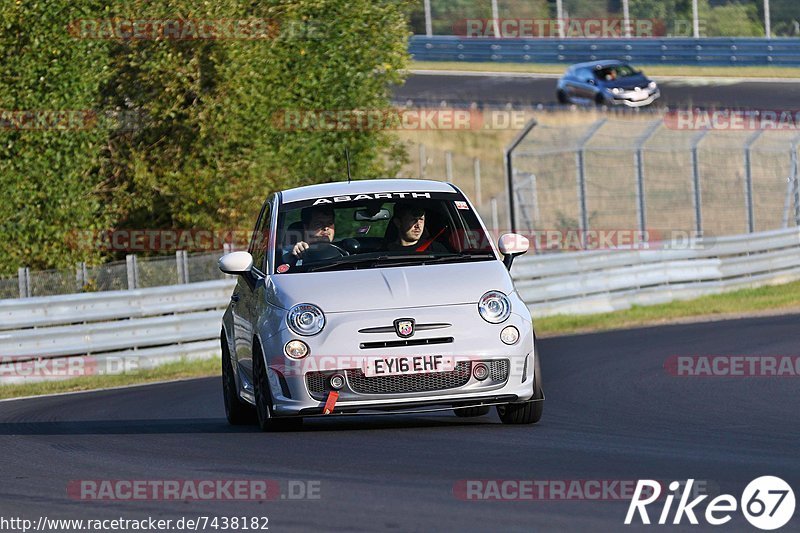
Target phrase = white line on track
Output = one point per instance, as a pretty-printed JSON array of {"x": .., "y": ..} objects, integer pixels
[{"x": 121, "y": 387}]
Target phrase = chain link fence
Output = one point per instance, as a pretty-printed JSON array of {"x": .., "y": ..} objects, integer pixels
[
  {"x": 483, "y": 183},
  {"x": 645, "y": 175},
  {"x": 133, "y": 273}
]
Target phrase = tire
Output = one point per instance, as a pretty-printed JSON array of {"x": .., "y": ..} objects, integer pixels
[
  {"x": 266, "y": 420},
  {"x": 562, "y": 97},
  {"x": 237, "y": 411},
  {"x": 600, "y": 100},
  {"x": 529, "y": 412},
  {"x": 468, "y": 412}
]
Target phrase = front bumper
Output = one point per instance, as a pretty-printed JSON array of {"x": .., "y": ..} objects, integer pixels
[
  {"x": 300, "y": 388},
  {"x": 635, "y": 98}
]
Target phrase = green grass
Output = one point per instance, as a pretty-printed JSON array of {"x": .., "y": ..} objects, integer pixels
[
  {"x": 178, "y": 370},
  {"x": 651, "y": 70},
  {"x": 727, "y": 305}
]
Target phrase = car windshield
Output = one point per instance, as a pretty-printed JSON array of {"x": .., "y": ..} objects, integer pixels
[
  {"x": 614, "y": 72},
  {"x": 378, "y": 231}
]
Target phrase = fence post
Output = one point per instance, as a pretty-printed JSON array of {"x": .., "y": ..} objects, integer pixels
[
  {"x": 423, "y": 161},
  {"x": 697, "y": 196},
  {"x": 748, "y": 181},
  {"x": 792, "y": 187},
  {"x": 133, "y": 271},
  {"x": 476, "y": 169},
  {"x": 81, "y": 276},
  {"x": 179, "y": 267},
  {"x": 796, "y": 187},
  {"x": 448, "y": 166},
  {"x": 581, "y": 177},
  {"x": 495, "y": 218},
  {"x": 24, "y": 275},
  {"x": 508, "y": 155},
  {"x": 641, "y": 207}
]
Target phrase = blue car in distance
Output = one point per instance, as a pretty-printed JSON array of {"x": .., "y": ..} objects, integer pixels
[{"x": 608, "y": 82}]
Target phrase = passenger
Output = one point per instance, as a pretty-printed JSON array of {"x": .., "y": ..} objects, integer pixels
[{"x": 409, "y": 220}]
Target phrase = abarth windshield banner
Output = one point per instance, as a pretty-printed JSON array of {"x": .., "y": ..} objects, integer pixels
[{"x": 371, "y": 197}]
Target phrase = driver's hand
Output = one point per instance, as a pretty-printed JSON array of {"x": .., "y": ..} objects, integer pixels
[{"x": 299, "y": 248}]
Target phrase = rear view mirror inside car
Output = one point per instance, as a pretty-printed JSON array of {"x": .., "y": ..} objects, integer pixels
[{"x": 368, "y": 215}]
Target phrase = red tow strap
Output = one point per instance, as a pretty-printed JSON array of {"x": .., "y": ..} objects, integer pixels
[{"x": 331, "y": 402}]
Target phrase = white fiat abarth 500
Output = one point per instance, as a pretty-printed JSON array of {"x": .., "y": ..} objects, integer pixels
[{"x": 371, "y": 296}]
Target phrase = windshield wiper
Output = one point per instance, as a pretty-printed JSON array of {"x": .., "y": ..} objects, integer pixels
[
  {"x": 463, "y": 255},
  {"x": 395, "y": 259},
  {"x": 356, "y": 260}
]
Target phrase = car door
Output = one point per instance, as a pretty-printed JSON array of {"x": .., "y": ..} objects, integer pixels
[
  {"x": 245, "y": 299},
  {"x": 571, "y": 84},
  {"x": 586, "y": 87}
]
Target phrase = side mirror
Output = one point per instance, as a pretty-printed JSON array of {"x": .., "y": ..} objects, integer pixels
[
  {"x": 512, "y": 245},
  {"x": 237, "y": 263}
]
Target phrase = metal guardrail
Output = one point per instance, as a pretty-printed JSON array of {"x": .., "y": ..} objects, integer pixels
[
  {"x": 610, "y": 280},
  {"x": 103, "y": 332},
  {"x": 675, "y": 51},
  {"x": 166, "y": 323}
]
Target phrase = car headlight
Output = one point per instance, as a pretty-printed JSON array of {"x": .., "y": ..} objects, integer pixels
[
  {"x": 652, "y": 85},
  {"x": 494, "y": 307},
  {"x": 615, "y": 90},
  {"x": 305, "y": 319}
]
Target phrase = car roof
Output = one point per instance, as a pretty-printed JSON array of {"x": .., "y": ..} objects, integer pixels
[
  {"x": 340, "y": 188},
  {"x": 600, "y": 63}
]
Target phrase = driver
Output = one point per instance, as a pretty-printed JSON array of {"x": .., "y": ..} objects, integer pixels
[{"x": 318, "y": 226}]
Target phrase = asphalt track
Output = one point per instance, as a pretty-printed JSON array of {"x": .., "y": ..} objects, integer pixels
[
  {"x": 430, "y": 89},
  {"x": 612, "y": 413}
]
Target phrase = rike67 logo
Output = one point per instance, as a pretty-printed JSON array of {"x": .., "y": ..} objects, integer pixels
[{"x": 767, "y": 503}]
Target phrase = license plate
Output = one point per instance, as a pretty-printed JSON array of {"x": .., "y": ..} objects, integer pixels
[
  {"x": 638, "y": 96},
  {"x": 408, "y": 364}
]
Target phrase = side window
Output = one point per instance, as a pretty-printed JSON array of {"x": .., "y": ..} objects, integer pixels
[{"x": 260, "y": 242}]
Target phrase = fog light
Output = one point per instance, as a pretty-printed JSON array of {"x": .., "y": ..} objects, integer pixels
[
  {"x": 337, "y": 381},
  {"x": 509, "y": 335},
  {"x": 480, "y": 371},
  {"x": 296, "y": 349}
]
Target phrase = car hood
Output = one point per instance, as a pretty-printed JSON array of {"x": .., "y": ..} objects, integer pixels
[
  {"x": 630, "y": 82},
  {"x": 391, "y": 287}
]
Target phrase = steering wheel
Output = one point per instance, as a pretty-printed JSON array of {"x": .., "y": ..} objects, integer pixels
[{"x": 323, "y": 251}]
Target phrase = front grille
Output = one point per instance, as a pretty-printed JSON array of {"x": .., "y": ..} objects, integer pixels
[
  {"x": 410, "y": 382},
  {"x": 405, "y": 342},
  {"x": 499, "y": 370},
  {"x": 316, "y": 384}
]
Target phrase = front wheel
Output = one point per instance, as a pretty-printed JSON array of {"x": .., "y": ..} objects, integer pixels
[
  {"x": 528, "y": 412},
  {"x": 562, "y": 97},
  {"x": 236, "y": 411},
  {"x": 600, "y": 100},
  {"x": 263, "y": 398}
]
